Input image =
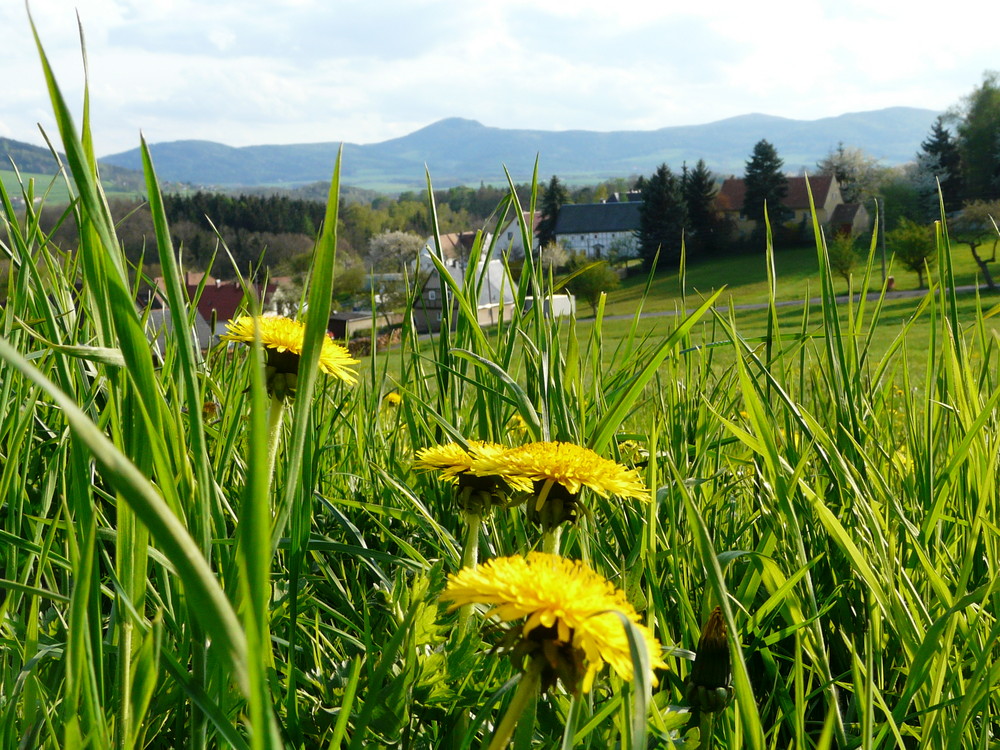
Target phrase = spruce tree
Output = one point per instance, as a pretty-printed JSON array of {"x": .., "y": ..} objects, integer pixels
[
  {"x": 556, "y": 196},
  {"x": 662, "y": 217},
  {"x": 699, "y": 201},
  {"x": 765, "y": 182},
  {"x": 941, "y": 155}
]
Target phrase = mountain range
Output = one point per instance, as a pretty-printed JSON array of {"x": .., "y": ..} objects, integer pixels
[{"x": 459, "y": 151}]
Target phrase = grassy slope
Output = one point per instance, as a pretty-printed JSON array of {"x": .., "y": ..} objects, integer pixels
[
  {"x": 58, "y": 192},
  {"x": 745, "y": 279}
]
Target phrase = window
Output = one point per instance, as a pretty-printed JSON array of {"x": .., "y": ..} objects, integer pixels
[{"x": 432, "y": 294}]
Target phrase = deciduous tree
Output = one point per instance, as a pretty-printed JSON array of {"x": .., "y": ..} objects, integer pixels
[
  {"x": 593, "y": 280},
  {"x": 979, "y": 139},
  {"x": 913, "y": 246},
  {"x": 388, "y": 252},
  {"x": 976, "y": 225},
  {"x": 843, "y": 254},
  {"x": 858, "y": 173}
]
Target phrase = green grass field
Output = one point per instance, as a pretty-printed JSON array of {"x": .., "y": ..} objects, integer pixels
[
  {"x": 744, "y": 278},
  {"x": 52, "y": 189},
  {"x": 781, "y": 528}
]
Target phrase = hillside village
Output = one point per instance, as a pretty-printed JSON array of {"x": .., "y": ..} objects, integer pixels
[{"x": 593, "y": 235}]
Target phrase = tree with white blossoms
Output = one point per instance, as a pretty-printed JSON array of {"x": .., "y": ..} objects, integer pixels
[
  {"x": 389, "y": 252},
  {"x": 858, "y": 173}
]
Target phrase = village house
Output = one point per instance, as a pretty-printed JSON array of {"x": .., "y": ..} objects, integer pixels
[
  {"x": 218, "y": 303},
  {"x": 599, "y": 230},
  {"x": 347, "y": 324},
  {"x": 826, "y": 197},
  {"x": 456, "y": 248},
  {"x": 850, "y": 218},
  {"x": 494, "y": 300},
  {"x": 510, "y": 241}
]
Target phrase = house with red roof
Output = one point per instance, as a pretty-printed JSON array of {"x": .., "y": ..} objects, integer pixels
[
  {"x": 825, "y": 193},
  {"x": 219, "y": 300}
]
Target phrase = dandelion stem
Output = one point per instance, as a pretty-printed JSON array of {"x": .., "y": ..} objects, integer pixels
[
  {"x": 550, "y": 540},
  {"x": 527, "y": 689},
  {"x": 706, "y": 730},
  {"x": 470, "y": 558},
  {"x": 470, "y": 553},
  {"x": 274, "y": 419}
]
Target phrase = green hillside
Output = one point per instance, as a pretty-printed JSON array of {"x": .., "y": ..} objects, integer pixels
[
  {"x": 458, "y": 151},
  {"x": 38, "y": 164}
]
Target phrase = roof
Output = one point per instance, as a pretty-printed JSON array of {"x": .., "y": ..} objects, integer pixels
[
  {"x": 798, "y": 196},
  {"x": 846, "y": 213},
  {"x": 734, "y": 190},
  {"x": 731, "y": 194},
  {"x": 224, "y": 297},
  {"x": 598, "y": 217},
  {"x": 456, "y": 245},
  {"x": 159, "y": 320}
]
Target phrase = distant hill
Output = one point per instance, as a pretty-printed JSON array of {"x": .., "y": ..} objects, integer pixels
[
  {"x": 31, "y": 159},
  {"x": 458, "y": 151}
]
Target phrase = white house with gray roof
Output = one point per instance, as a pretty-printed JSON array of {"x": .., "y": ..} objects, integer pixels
[{"x": 599, "y": 230}]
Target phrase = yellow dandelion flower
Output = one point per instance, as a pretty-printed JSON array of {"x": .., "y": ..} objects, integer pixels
[
  {"x": 452, "y": 459},
  {"x": 476, "y": 493},
  {"x": 569, "y": 465},
  {"x": 633, "y": 452},
  {"x": 282, "y": 339},
  {"x": 517, "y": 426},
  {"x": 392, "y": 399},
  {"x": 568, "y": 610}
]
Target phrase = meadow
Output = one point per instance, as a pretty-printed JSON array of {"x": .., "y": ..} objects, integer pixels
[{"x": 202, "y": 549}]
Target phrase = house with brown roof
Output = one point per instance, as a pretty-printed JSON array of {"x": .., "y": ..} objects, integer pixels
[
  {"x": 850, "y": 218},
  {"x": 455, "y": 248},
  {"x": 825, "y": 192}
]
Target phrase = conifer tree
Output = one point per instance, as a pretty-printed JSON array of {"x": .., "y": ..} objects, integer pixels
[
  {"x": 765, "y": 182},
  {"x": 662, "y": 217},
  {"x": 699, "y": 201},
  {"x": 556, "y": 196},
  {"x": 940, "y": 156}
]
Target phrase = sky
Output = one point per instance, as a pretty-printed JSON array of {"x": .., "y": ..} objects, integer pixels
[{"x": 247, "y": 72}]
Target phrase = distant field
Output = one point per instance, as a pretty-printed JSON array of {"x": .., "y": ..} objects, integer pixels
[
  {"x": 745, "y": 279},
  {"x": 52, "y": 187}
]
